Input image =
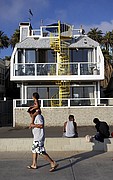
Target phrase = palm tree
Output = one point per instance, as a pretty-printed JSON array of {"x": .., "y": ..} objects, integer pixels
[
  {"x": 95, "y": 34},
  {"x": 112, "y": 43},
  {"x": 4, "y": 40},
  {"x": 7, "y": 58},
  {"x": 108, "y": 70},
  {"x": 108, "y": 40},
  {"x": 15, "y": 38},
  {"x": 107, "y": 43},
  {"x": 104, "y": 41}
]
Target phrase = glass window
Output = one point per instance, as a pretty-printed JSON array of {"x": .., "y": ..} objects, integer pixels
[
  {"x": 2, "y": 79},
  {"x": 51, "y": 58},
  {"x": 46, "y": 56},
  {"x": 30, "y": 91},
  {"x": 20, "y": 53},
  {"x": 44, "y": 92},
  {"x": 42, "y": 55},
  {"x": 30, "y": 56},
  {"x": 82, "y": 55},
  {"x": 53, "y": 92},
  {"x": 83, "y": 92},
  {"x": 41, "y": 90}
]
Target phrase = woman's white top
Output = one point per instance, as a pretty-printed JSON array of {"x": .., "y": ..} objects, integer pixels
[{"x": 70, "y": 130}]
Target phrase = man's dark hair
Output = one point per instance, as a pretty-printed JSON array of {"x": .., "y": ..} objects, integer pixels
[
  {"x": 31, "y": 112},
  {"x": 96, "y": 120},
  {"x": 71, "y": 116}
]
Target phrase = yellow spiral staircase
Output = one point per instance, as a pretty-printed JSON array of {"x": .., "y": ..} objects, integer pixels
[{"x": 59, "y": 42}]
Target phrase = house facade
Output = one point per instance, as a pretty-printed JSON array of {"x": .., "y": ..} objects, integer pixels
[{"x": 59, "y": 62}]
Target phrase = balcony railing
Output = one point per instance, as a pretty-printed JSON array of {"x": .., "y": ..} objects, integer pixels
[
  {"x": 45, "y": 31},
  {"x": 72, "y": 102},
  {"x": 50, "y": 69}
]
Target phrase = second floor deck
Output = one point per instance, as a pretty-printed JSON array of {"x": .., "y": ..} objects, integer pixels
[{"x": 57, "y": 71}]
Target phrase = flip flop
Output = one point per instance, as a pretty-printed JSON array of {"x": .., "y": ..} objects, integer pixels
[
  {"x": 30, "y": 167},
  {"x": 53, "y": 168}
]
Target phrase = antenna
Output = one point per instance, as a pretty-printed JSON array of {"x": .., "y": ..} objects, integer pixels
[{"x": 41, "y": 22}]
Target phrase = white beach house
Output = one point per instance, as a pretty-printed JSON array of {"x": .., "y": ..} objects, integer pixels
[{"x": 61, "y": 63}]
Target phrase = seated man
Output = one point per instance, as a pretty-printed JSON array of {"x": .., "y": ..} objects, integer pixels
[
  {"x": 102, "y": 130},
  {"x": 70, "y": 128}
]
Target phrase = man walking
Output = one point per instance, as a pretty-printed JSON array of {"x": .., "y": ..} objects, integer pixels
[{"x": 38, "y": 142}]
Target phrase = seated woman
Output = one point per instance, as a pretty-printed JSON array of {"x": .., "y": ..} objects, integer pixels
[{"x": 70, "y": 128}]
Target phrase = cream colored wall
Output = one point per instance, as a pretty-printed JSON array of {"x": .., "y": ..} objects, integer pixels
[{"x": 57, "y": 116}]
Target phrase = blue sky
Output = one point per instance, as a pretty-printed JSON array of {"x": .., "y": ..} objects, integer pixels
[{"x": 88, "y": 13}]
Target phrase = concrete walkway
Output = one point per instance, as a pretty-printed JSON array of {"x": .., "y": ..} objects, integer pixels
[
  {"x": 20, "y": 139},
  {"x": 72, "y": 166},
  {"x": 10, "y": 132},
  {"x": 89, "y": 165}
]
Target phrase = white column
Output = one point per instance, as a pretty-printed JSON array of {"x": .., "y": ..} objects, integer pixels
[
  {"x": 25, "y": 94},
  {"x": 98, "y": 93},
  {"x": 95, "y": 95},
  {"x": 14, "y": 114},
  {"x": 78, "y": 69},
  {"x": 69, "y": 103},
  {"x": 41, "y": 31},
  {"x": 58, "y": 64},
  {"x": 12, "y": 67},
  {"x": 24, "y": 60},
  {"x": 94, "y": 55},
  {"x": 22, "y": 93}
]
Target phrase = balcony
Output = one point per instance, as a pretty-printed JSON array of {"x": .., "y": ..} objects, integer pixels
[
  {"x": 57, "y": 71},
  {"x": 45, "y": 31},
  {"x": 66, "y": 103}
]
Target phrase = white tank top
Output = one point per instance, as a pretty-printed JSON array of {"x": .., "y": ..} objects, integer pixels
[{"x": 70, "y": 130}]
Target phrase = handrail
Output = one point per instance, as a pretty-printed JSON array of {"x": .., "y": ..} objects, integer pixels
[
  {"x": 44, "y": 32},
  {"x": 66, "y": 103},
  {"x": 38, "y": 69}
]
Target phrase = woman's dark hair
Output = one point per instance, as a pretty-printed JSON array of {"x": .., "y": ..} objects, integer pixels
[
  {"x": 96, "y": 120},
  {"x": 36, "y": 95}
]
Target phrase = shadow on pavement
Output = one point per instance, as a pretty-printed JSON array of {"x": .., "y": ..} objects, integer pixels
[
  {"x": 84, "y": 155},
  {"x": 77, "y": 158}
]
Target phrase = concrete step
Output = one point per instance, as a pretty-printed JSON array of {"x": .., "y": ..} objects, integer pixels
[{"x": 56, "y": 144}]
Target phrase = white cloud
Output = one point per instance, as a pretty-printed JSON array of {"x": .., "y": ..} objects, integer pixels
[{"x": 104, "y": 26}]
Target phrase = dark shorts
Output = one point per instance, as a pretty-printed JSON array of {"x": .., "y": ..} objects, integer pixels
[{"x": 99, "y": 138}]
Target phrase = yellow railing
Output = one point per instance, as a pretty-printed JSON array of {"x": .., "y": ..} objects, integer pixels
[{"x": 61, "y": 47}]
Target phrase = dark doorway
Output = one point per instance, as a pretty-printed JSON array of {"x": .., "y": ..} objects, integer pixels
[{"x": 6, "y": 113}]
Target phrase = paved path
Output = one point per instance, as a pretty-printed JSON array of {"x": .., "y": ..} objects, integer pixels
[
  {"x": 93, "y": 165},
  {"x": 72, "y": 166},
  {"x": 10, "y": 132}
]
